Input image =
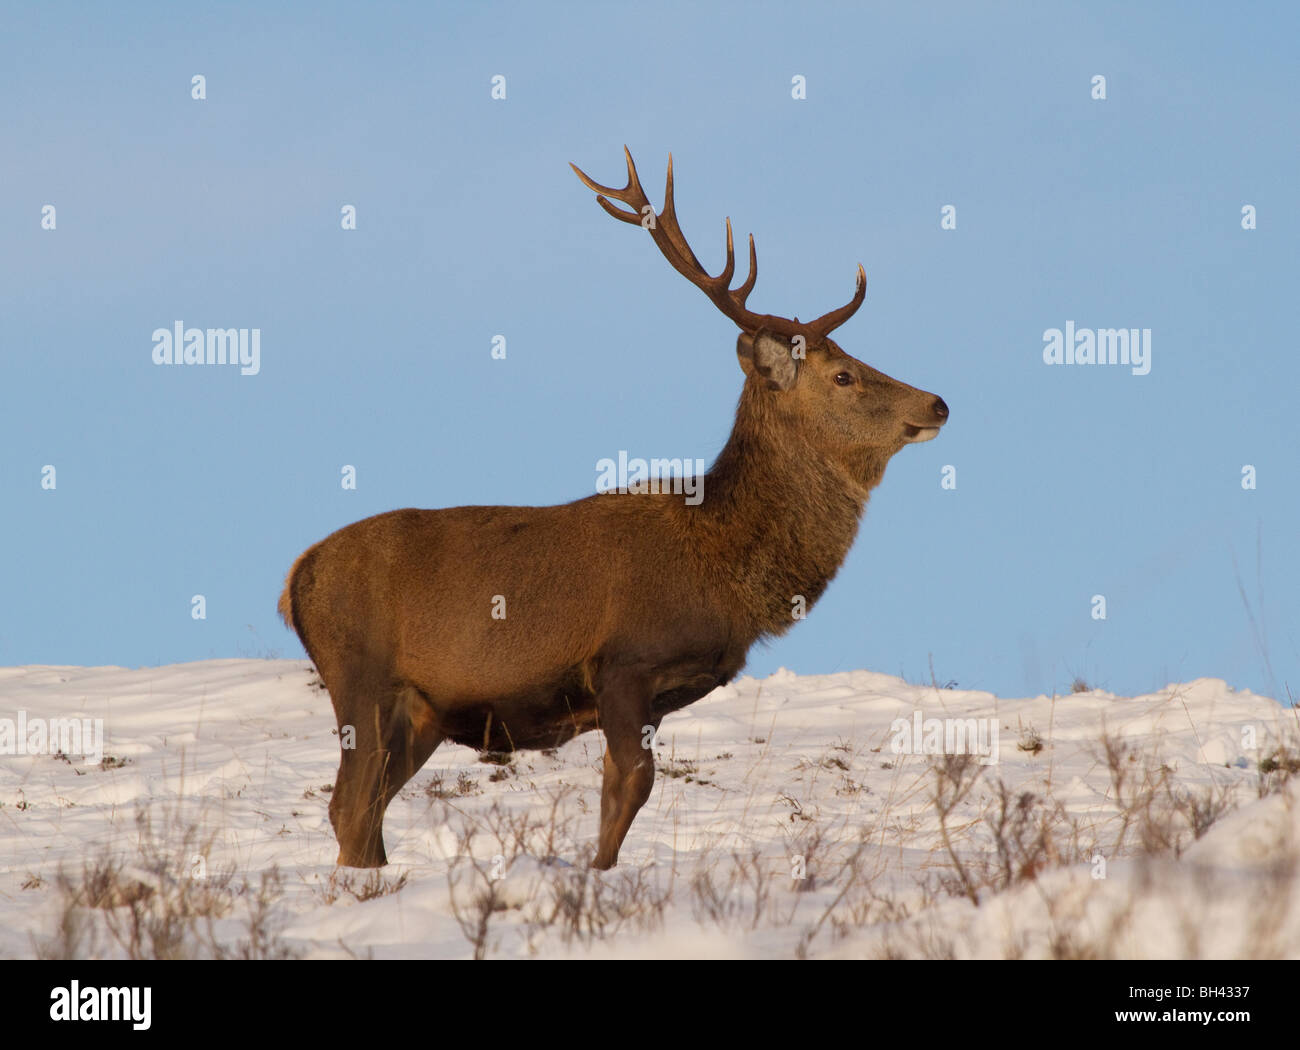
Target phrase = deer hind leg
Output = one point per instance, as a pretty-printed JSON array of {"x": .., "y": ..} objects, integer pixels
[
  {"x": 624, "y": 706},
  {"x": 394, "y": 735}
]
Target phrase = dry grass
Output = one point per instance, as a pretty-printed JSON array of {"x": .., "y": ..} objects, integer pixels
[
  {"x": 162, "y": 902},
  {"x": 835, "y": 881}
]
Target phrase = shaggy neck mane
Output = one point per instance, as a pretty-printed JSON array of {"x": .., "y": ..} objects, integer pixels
[{"x": 781, "y": 511}]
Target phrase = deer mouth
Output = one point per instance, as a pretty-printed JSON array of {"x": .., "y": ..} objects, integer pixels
[{"x": 914, "y": 435}]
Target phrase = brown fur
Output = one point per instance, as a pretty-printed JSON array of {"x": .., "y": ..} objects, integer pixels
[{"x": 619, "y": 608}]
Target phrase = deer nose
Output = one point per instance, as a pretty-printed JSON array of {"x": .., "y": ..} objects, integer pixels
[{"x": 940, "y": 409}]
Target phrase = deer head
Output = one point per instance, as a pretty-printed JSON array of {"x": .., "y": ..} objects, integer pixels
[{"x": 795, "y": 373}]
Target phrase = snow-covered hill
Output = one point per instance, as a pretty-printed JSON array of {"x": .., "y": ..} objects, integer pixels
[{"x": 783, "y": 821}]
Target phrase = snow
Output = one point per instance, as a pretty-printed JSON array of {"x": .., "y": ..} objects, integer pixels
[{"x": 228, "y": 765}]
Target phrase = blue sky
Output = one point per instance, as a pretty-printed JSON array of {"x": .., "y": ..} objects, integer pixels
[{"x": 375, "y": 342}]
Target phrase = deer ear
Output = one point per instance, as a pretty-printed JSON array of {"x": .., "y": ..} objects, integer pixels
[{"x": 770, "y": 356}]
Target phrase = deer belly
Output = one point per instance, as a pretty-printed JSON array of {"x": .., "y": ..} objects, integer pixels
[{"x": 535, "y": 720}]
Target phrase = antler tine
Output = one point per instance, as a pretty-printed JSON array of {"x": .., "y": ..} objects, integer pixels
[
  {"x": 667, "y": 221},
  {"x": 723, "y": 281},
  {"x": 631, "y": 194},
  {"x": 828, "y": 322},
  {"x": 742, "y": 293},
  {"x": 618, "y": 213}
]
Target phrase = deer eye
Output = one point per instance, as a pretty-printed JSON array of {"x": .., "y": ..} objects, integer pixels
[{"x": 843, "y": 379}]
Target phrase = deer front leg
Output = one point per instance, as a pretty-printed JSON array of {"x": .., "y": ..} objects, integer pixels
[{"x": 624, "y": 705}]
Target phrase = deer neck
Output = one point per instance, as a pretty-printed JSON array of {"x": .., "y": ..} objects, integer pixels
[{"x": 782, "y": 512}]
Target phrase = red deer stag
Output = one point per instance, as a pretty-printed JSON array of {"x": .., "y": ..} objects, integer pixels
[{"x": 617, "y": 608}]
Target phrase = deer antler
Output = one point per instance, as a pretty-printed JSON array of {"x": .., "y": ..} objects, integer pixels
[{"x": 672, "y": 243}]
